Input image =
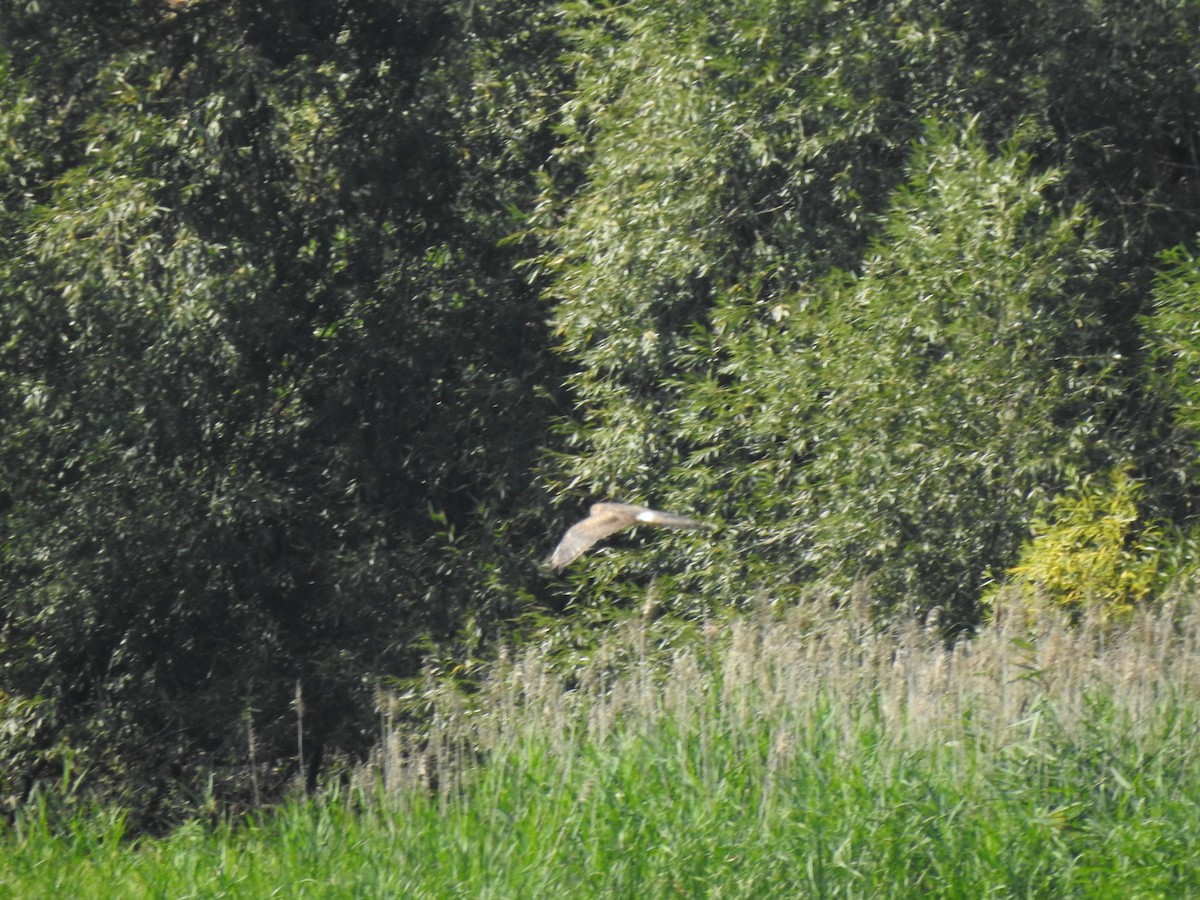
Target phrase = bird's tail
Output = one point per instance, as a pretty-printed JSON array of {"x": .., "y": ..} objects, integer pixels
[{"x": 670, "y": 520}]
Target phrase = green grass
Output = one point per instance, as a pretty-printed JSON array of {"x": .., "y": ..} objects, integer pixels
[{"x": 776, "y": 759}]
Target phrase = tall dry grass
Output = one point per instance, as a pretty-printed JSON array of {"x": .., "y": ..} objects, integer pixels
[
  {"x": 817, "y": 668},
  {"x": 798, "y": 753}
]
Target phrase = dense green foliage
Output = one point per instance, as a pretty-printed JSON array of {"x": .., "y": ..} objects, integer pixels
[
  {"x": 874, "y": 343},
  {"x": 269, "y": 385},
  {"x": 312, "y": 313}
]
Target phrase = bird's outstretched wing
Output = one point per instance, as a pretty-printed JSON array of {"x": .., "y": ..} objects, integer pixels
[{"x": 605, "y": 519}]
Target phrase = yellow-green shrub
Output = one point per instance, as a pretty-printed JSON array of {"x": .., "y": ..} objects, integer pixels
[{"x": 1092, "y": 549}]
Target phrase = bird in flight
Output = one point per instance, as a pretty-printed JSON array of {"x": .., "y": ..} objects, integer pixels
[{"x": 608, "y": 518}]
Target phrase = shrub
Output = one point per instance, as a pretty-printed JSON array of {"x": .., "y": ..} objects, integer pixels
[{"x": 1093, "y": 549}]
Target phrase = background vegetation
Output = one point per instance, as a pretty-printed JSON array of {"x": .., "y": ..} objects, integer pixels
[{"x": 319, "y": 319}]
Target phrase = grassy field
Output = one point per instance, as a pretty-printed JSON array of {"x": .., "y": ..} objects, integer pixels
[{"x": 794, "y": 756}]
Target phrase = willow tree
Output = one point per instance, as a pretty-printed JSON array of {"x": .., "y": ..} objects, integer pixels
[{"x": 866, "y": 344}]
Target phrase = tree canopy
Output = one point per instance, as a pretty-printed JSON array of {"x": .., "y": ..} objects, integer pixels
[{"x": 319, "y": 319}]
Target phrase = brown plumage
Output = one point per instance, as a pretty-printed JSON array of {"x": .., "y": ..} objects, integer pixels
[{"x": 608, "y": 518}]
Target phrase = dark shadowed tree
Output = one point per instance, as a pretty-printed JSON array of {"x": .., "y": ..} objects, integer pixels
[{"x": 267, "y": 377}]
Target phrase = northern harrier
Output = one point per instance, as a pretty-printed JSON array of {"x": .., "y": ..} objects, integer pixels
[{"x": 605, "y": 519}]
